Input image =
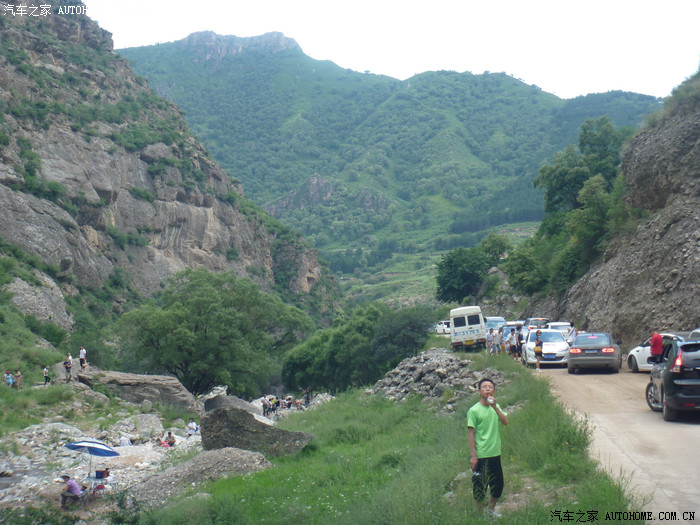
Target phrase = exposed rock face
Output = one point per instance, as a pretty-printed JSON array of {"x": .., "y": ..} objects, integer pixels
[
  {"x": 135, "y": 388},
  {"x": 207, "y": 466},
  {"x": 432, "y": 373},
  {"x": 651, "y": 279},
  {"x": 233, "y": 427},
  {"x": 45, "y": 302},
  {"x": 133, "y": 189}
]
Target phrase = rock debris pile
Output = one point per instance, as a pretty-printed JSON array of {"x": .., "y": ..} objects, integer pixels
[{"x": 431, "y": 374}]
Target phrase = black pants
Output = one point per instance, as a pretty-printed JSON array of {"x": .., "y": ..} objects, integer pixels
[
  {"x": 488, "y": 472},
  {"x": 65, "y": 495}
]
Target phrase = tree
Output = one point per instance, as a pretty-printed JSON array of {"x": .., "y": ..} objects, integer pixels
[
  {"x": 562, "y": 180},
  {"x": 214, "y": 329},
  {"x": 460, "y": 273},
  {"x": 495, "y": 246},
  {"x": 588, "y": 225}
]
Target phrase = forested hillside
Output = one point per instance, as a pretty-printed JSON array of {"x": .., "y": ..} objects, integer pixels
[{"x": 352, "y": 159}]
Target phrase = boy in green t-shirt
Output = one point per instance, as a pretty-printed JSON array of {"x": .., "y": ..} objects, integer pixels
[{"x": 485, "y": 446}]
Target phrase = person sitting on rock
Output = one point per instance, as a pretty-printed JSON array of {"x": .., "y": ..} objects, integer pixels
[
  {"x": 72, "y": 491},
  {"x": 170, "y": 439}
]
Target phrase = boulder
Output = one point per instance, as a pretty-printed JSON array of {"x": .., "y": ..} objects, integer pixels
[
  {"x": 159, "y": 488},
  {"x": 230, "y": 401},
  {"x": 136, "y": 388},
  {"x": 234, "y": 427},
  {"x": 145, "y": 426}
]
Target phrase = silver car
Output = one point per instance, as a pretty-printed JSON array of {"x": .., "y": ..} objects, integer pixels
[{"x": 594, "y": 350}]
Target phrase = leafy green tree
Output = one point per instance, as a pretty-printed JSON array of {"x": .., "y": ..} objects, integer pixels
[
  {"x": 460, "y": 273},
  {"x": 588, "y": 224},
  {"x": 356, "y": 351},
  {"x": 495, "y": 246},
  {"x": 212, "y": 329},
  {"x": 562, "y": 180},
  {"x": 525, "y": 268}
]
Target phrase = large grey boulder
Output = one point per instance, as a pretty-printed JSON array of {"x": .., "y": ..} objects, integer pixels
[
  {"x": 230, "y": 401},
  {"x": 234, "y": 427},
  {"x": 136, "y": 388}
]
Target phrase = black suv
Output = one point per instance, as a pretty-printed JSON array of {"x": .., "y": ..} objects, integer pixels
[{"x": 675, "y": 381}]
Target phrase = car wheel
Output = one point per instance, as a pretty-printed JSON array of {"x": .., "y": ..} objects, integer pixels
[
  {"x": 632, "y": 364},
  {"x": 670, "y": 414},
  {"x": 571, "y": 369},
  {"x": 616, "y": 370},
  {"x": 652, "y": 401}
]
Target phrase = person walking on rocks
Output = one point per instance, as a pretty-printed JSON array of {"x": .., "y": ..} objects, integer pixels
[
  {"x": 68, "y": 365},
  {"x": 83, "y": 358},
  {"x": 47, "y": 379},
  {"x": 485, "y": 446}
]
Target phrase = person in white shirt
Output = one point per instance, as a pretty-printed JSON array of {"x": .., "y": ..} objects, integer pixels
[
  {"x": 191, "y": 427},
  {"x": 497, "y": 338},
  {"x": 572, "y": 334},
  {"x": 489, "y": 341},
  {"x": 83, "y": 357}
]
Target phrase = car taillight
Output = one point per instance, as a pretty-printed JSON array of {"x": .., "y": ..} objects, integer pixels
[
  {"x": 678, "y": 363},
  {"x": 608, "y": 350},
  {"x": 574, "y": 350}
]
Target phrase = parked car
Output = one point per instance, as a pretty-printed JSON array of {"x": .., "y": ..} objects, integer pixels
[
  {"x": 495, "y": 323},
  {"x": 638, "y": 357},
  {"x": 555, "y": 350},
  {"x": 694, "y": 335},
  {"x": 675, "y": 381},
  {"x": 443, "y": 328},
  {"x": 594, "y": 350},
  {"x": 534, "y": 322},
  {"x": 561, "y": 326}
]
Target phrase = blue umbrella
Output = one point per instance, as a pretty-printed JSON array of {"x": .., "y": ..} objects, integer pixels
[{"x": 93, "y": 448}]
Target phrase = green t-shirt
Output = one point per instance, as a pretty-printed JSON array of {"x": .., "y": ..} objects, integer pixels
[{"x": 484, "y": 420}]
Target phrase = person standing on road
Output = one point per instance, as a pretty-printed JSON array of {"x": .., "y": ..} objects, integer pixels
[
  {"x": 519, "y": 338},
  {"x": 538, "y": 349},
  {"x": 571, "y": 335},
  {"x": 485, "y": 446},
  {"x": 657, "y": 346},
  {"x": 489, "y": 341},
  {"x": 497, "y": 340}
]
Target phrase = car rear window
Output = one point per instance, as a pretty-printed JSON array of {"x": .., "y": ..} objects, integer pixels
[
  {"x": 547, "y": 337},
  {"x": 587, "y": 339},
  {"x": 692, "y": 347}
]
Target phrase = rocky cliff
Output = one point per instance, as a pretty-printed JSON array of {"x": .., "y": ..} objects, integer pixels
[
  {"x": 97, "y": 173},
  {"x": 651, "y": 278}
]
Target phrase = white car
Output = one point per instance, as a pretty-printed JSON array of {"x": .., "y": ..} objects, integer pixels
[
  {"x": 443, "y": 328},
  {"x": 637, "y": 357},
  {"x": 555, "y": 349},
  {"x": 560, "y": 326}
]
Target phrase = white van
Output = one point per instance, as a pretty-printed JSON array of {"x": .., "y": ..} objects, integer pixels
[{"x": 468, "y": 328}]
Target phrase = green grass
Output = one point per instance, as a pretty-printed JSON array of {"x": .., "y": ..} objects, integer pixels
[{"x": 376, "y": 461}]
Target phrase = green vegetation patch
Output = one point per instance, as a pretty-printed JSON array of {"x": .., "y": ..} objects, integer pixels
[{"x": 377, "y": 461}]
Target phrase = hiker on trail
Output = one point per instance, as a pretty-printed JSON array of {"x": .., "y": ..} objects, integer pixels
[
  {"x": 68, "y": 365},
  {"x": 83, "y": 358},
  {"x": 47, "y": 379}
]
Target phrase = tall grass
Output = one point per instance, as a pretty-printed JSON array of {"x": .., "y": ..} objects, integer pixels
[{"x": 380, "y": 462}]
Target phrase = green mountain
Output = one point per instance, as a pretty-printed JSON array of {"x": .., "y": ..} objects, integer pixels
[{"x": 358, "y": 160}]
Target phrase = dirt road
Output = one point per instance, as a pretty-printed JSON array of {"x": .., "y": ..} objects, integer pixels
[{"x": 660, "y": 459}]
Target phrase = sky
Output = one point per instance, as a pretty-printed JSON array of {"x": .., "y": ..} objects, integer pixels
[{"x": 565, "y": 47}]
